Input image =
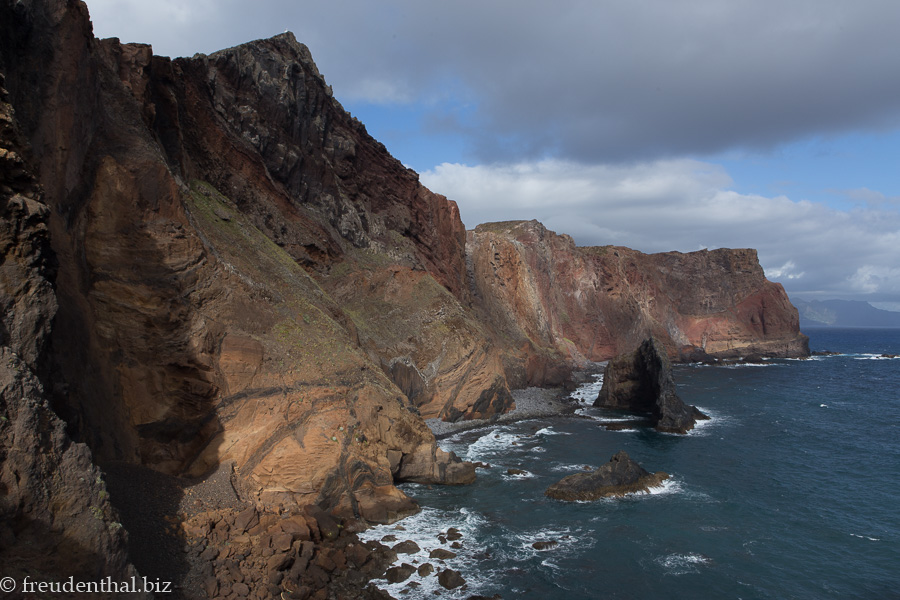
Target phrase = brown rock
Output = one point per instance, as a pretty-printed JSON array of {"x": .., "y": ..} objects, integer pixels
[
  {"x": 450, "y": 579},
  {"x": 279, "y": 562},
  {"x": 296, "y": 526},
  {"x": 441, "y": 554},
  {"x": 281, "y": 542},
  {"x": 399, "y": 574},
  {"x": 407, "y": 547},
  {"x": 425, "y": 570},
  {"x": 620, "y": 476},
  {"x": 357, "y": 555}
]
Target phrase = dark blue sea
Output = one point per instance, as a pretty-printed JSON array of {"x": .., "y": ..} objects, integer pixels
[{"x": 791, "y": 491}]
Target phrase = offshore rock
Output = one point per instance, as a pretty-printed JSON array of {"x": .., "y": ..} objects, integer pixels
[
  {"x": 641, "y": 381},
  {"x": 620, "y": 476}
]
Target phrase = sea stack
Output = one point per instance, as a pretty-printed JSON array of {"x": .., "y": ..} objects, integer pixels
[
  {"x": 620, "y": 476},
  {"x": 641, "y": 381}
]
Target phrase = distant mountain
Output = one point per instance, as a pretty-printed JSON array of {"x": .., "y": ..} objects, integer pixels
[{"x": 844, "y": 313}]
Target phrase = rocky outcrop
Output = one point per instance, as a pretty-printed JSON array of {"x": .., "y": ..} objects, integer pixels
[
  {"x": 56, "y": 520},
  {"x": 592, "y": 303},
  {"x": 620, "y": 476},
  {"x": 210, "y": 216},
  {"x": 641, "y": 381},
  {"x": 245, "y": 276}
]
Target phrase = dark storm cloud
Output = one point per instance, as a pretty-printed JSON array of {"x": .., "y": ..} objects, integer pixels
[{"x": 585, "y": 81}]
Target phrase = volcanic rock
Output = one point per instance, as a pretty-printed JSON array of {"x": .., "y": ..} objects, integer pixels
[
  {"x": 399, "y": 574},
  {"x": 407, "y": 547},
  {"x": 620, "y": 476},
  {"x": 593, "y": 303},
  {"x": 641, "y": 381},
  {"x": 544, "y": 544},
  {"x": 56, "y": 519},
  {"x": 450, "y": 579}
]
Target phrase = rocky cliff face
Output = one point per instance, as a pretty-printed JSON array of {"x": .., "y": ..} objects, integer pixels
[
  {"x": 56, "y": 519},
  {"x": 245, "y": 275},
  {"x": 594, "y": 303},
  {"x": 206, "y": 213}
]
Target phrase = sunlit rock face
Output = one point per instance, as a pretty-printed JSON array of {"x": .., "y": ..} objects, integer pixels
[{"x": 592, "y": 303}]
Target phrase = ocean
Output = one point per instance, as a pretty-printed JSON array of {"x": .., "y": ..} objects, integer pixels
[{"x": 790, "y": 491}]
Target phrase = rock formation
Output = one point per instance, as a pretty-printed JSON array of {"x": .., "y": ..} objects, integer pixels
[
  {"x": 218, "y": 265},
  {"x": 56, "y": 519},
  {"x": 620, "y": 476},
  {"x": 592, "y": 303},
  {"x": 641, "y": 381},
  {"x": 210, "y": 217}
]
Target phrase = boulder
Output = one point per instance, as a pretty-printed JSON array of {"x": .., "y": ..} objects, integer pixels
[
  {"x": 399, "y": 574},
  {"x": 620, "y": 476},
  {"x": 450, "y": 579},
  {"x": 407, "y": 547},
  {"x": 641, "y": 381}
]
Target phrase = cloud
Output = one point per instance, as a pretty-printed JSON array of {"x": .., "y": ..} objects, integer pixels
[
  {"x": 580, "y": 80},
  {"x": 686, "y": 205}
]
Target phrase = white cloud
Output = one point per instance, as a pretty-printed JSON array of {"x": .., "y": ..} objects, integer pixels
[{"x": 685, "y": 205}]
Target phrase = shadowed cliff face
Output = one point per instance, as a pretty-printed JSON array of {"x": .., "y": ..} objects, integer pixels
[
  {"x": 593, "y": 303},
  {"x": 246, "y": 275},
  {"x": 196, "y": 207},
  {"x": 56, "y": 519}
]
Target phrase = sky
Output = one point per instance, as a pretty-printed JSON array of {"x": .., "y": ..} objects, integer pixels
[{"x": 658, "y": 125}]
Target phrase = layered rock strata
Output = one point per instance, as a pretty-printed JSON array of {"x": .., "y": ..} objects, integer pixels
[
  {"x": 206, "y": 214},
  {"x": 592, "y": 303},
  {"x": 245, "y": 276},
  {"x": 620, "y": 476},
  {"x": 641, "y": 381},
  {"x": 56, "y": 519}
]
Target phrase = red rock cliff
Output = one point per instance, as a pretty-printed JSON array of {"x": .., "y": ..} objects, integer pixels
[{"x": 594, "y": 303}]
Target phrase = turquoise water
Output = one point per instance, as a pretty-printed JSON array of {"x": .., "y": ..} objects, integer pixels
[{"x": 790, "y": 491}]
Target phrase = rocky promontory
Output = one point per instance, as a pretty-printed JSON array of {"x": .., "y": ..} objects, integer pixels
[
  {"x": 641, "y": 381},
  {"x": 207, "y": 261},
  {"x": 620, "y": 476}
]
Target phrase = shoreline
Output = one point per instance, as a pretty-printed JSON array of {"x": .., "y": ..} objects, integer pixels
[{"x": 531, "y": 403}]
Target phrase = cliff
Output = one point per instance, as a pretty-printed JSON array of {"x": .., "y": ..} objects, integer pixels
[
  {"x": 592, "y": 303},
  {"x": 56, "y": 519},
  {"x": 217, "y": 264}
]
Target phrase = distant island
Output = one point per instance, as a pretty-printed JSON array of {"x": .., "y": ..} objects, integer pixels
[{"x": 843, "y": 313}]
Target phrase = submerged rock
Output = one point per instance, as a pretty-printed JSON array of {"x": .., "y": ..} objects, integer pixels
[
  {"x": 642, "y": 381},
  {"x": 545, "y": 544},
  {"x": 620, "y": 476}
]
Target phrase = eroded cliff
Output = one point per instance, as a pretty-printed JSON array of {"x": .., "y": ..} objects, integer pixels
[
  {"x": 592, "y": 303},
  {"x": 201, "y": 210},
  {"x": 245, "y": 276},
  {"x": 56, "y": 519}
]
